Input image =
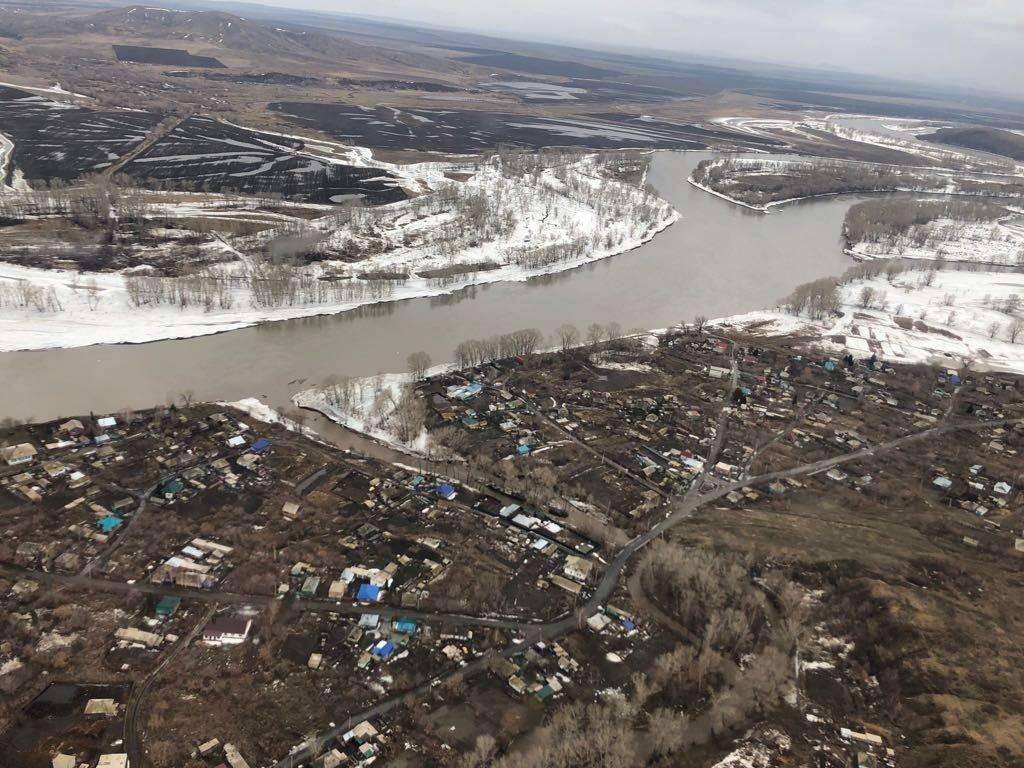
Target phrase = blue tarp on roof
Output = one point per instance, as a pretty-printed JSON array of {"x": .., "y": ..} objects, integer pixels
[
  {"x": 368, "y": 592},
  {"x": 260, "y": 445},
  {"x": 109, "y": 523}
]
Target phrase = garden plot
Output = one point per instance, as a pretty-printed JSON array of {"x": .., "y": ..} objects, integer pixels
[
  {"x": 215, "y": 156},
  {"x": 57, "y": 141}
]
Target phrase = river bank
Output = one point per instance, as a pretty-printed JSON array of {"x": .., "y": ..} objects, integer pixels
[{"x": 719, "y": 260}]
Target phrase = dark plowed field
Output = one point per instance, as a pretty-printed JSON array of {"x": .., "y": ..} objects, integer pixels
[
  {"x": 205, "y": 154},
  {"x": 56, "y": 141}
]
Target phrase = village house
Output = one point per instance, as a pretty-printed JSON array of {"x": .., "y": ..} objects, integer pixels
[
  {"x": 227, "y": 630},
  {"x": 578, "y": 568},
  {"x": 23, "y": 453}
]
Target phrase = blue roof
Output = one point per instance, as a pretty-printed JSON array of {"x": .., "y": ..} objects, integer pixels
[
  {"x": 260, "y": 445},
  {"x": 629, "y": 625},
  {"x": 405, "y": 626},
  {"x": 522, "y": 450},
  {"x": 109, "y": 523},
  {"x": 446, "y": 490},
  {"x": 384, "y": 651},
  {"x": 368, "y": 592}
]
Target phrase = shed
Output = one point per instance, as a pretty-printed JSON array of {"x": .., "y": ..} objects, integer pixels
[
  {"x": 109, "y": 523},
  {"x": 107, "y": 707},
  {"x": 446, "y": 491},
  {"x": 260, "y": 445}
]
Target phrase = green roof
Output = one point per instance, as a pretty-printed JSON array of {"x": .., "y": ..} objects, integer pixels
[{"x": 167, "y": 605}]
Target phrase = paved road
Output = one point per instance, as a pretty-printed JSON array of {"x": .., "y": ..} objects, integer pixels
[{"x": 346, "y": 607}]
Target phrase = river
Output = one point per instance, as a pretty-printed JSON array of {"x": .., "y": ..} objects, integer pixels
[{"x": 719, "y": 259}]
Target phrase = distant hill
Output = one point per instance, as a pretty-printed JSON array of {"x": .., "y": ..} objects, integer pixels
[
  {"x": 207, "y": 30},
  {"x": 218, "y": 29}
]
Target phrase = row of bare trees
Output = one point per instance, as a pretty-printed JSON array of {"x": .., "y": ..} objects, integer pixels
[
  {"x": 23, "y": 294},
  {"x": 758, "y": 182},
  {"x": 474, "y": 352}
]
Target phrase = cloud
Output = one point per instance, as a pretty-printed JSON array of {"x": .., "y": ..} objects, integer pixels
[{"x": 973, "y": 43}]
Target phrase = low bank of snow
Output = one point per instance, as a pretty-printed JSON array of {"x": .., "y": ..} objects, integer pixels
[{"x": 961, "y": 316}]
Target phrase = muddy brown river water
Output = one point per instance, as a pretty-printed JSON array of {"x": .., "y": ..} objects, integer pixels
[{"x": 719, "y": 259}]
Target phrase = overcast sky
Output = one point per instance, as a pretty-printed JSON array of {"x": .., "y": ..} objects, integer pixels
[{"x": 976, "y": 43}]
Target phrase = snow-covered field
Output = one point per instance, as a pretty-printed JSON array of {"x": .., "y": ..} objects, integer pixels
[
  {"x": 961, "y": 316},
  {"x": 992, "y": 242},
  {"x": 574, "y": 211}
]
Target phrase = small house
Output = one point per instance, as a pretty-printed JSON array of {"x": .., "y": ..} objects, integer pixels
[
  {"x": 368, "y": 593},
  {"x": 309, "y": 587},
  {"x": 578, "y": 568},
  {"x": 22, "y": 453},
  {"x": 167, "y": 606},
  {"x": 227, "y": 630},
  {"x": 405, "y": 626},
  {"x": 384, "y": 649}
]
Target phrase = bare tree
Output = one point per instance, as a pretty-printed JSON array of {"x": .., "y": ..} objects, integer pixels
[
  {"x": 418, "y": 363},
  {"x": 1014, "y": 330},
  {"x": 595, "y": 334},
  {"x": 568, "y": 336}
]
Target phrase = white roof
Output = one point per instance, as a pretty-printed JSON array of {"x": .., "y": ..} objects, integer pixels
[{"x": 106, "y": 421}]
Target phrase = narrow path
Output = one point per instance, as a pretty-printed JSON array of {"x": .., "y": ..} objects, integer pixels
[
  {"x": 159, "y": 132},
  {"x": 135, "y": 710}
]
